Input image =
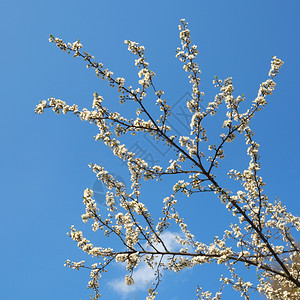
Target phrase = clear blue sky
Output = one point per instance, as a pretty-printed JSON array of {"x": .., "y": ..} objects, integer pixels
[{"x": 44, "y": 159}]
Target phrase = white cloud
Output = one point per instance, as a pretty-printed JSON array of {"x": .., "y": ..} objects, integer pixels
[{"x": 143, "y": 275}]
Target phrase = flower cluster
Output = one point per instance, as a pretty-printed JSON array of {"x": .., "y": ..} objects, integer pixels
[{"x": 262, "y": 237}]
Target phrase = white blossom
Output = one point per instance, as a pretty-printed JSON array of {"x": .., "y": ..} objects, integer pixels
[{"x": 262, "y": 237}]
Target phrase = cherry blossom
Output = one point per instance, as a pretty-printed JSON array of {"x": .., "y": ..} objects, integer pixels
[{"x": 262, "y": 238}]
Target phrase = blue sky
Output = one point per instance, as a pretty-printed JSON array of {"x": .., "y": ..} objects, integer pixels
[{"x": 44, "y": 159}]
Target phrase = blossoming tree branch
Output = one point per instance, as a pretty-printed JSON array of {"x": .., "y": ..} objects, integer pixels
[{"x": 262, "y": 236}]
